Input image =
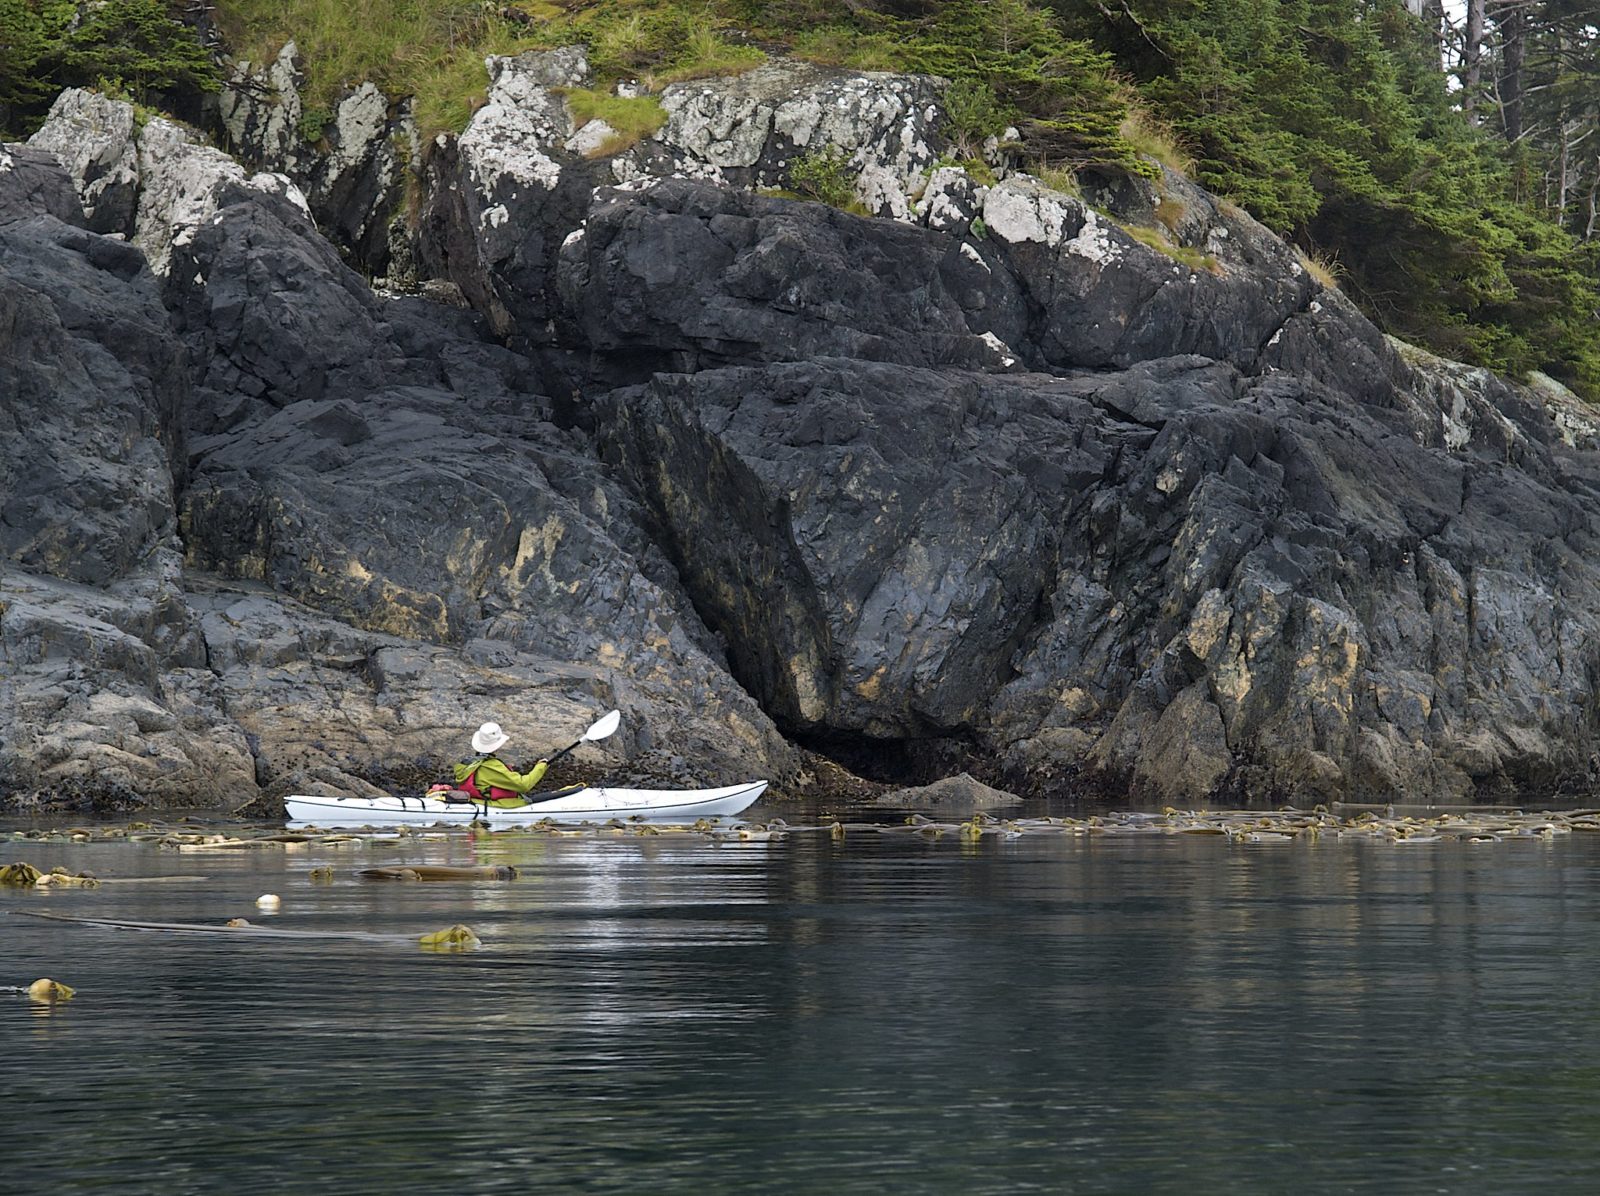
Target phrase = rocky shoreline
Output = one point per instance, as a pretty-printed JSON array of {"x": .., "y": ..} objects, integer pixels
[{"x": 1071, "y": 493}]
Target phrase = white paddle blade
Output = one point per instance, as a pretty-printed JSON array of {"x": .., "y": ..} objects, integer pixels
[{"x": 606, "y": 726}]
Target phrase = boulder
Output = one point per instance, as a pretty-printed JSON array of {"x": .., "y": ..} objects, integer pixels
[
  {"x": 872, "y": 541},
  {"x": 93, "y": 138},
  {"x": 950, "y": 796},
  {"x": 1177, "y": 576},
  {"x": 32, "y": 184},
  {"x": 502, "y": 196},
  {"x": 180, "y": 180}
]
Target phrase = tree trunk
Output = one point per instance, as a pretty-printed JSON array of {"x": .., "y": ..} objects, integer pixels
[
  {"x": 1513, "y": 28},
  {"x": 1472, "y": 59},
  {"x": 1563, "y": 173},
  {"x": 1594, "y": 211}
]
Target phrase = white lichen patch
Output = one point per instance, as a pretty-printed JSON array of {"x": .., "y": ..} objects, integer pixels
[
  {"x": 1095, "y": 241},
  {"x": 508, "y": 136},
  {"x": 1027, "y": 211},
  {"x": 761, "y": 120},
  {"x": 261, "y": 107},
  {"x": 1457, "y": 431},
  {"x": 1574, "y": 419},
  {"x": 1020, "y": 212},
  {"x": 274, "y": 183},
  {"x": 500, "y": 146},
  {"x": 590, "y": 138},
  {"x": 1002, "y": 351},
  {"x": 360, "y": 122},
  {"x": 950, "y": 200},
  {"x": 713, "y": 127},
  {"x": 92, "y": 137},
  {"x": 180, "y": 180}
]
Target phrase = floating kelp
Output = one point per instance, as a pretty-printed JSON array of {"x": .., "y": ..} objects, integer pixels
[
  {"x": 439, "y": 872},
  {"x": 1416, "y": 826},
  {"x": 235, "y": 927},
  {"x": 24, "y": 875},
  {"x": 1286, "y": 825},
  {"x": 454, "y": 938},
  {"x": 60, "y": 878}
]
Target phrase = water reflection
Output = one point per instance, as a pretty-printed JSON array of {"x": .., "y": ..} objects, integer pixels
[{"x": 1117, "y": 1014}]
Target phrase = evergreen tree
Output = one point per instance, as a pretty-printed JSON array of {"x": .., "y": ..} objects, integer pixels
[
  {"x": 137, "y": 43},
  {"x": 23, "y": 44},
  {"x": 1331, "y": 121},
  {"x": 128, "y": 45}
]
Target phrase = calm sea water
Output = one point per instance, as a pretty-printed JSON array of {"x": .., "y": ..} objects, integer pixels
[{"x": 879, "y": 1014}]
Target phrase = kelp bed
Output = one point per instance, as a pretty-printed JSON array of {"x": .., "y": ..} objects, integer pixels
[
  {"x": 1382, "y": 825},
  {"x": 1365, "y": 824}
]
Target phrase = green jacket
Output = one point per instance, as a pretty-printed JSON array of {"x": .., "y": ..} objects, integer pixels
[{"x": 490, "y": 772}]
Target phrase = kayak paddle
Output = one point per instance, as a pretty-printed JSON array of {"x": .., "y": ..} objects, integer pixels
[{"x": 603, "y": 728}]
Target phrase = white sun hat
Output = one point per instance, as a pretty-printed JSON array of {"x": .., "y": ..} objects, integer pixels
[{"x": 490, "y": 738}]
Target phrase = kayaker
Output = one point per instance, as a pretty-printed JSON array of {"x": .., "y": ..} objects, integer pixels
[{"x": 487, "y": 777}]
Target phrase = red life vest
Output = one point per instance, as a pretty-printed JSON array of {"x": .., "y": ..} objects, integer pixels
[{"x": 470, "y": 785}]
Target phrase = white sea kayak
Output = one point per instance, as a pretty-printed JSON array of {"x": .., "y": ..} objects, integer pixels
[{"x": 579, "y": 805}]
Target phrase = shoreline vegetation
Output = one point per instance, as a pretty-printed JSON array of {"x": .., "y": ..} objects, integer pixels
[{"x": 1336, "y": 125}]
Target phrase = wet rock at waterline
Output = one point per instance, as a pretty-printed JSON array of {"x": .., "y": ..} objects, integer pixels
[{"x": 960, "y": 794}]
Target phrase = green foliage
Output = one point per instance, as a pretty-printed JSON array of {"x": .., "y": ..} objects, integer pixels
[
  {"x": 1330, "y": 122},
  {"x": 137, "y": 42},
  {"x": 1009, "y": 60},
  {"x": 632, "y": 119},
  {"x": 824, "y": 176},
  {"x": 23, "y": 43},
  {"x": 430, "y": 49},
  {"x": 1057, "y": 90},
  {"x": 1327, "y": 119},
  {"x": 314, "y": 118},
  {"x": 977, "y": 169},
  {"x": 1185, "y": 255},
  {"x": 975, "y": 114},
  {"x": 840, "y": 45},
  {"x": 979, "y": 228},
  {"x": 708, "y": 53}
]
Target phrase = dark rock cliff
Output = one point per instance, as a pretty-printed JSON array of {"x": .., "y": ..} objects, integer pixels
[{"x": 987, "y": 482}]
